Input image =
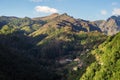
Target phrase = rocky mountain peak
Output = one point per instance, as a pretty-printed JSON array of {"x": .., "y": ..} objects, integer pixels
[
  {"x": 55, "y": 14},
  {"x": 111, "y": 26},
  {"x": 114, "y": 18}
]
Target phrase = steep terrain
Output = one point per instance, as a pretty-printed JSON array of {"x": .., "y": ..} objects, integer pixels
[
  {"x": 67, "y": 23},
  {"x": 18, "y": 61},
  {"x": 57, "y": 46},
  {"x": 111, "y": 26},
  {"x": 26, "y": 24},
  {"x": 107, "y": 64}
]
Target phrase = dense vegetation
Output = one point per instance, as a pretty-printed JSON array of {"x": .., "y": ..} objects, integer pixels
[
  {"x": 17, "y": 61},
  {"x": 107, "y": 64}
]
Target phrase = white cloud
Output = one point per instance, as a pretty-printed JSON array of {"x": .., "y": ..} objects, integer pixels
[
  {"x": 116, "y": 11},
  {"x": 114, "y": 3},
  {"x": 37, "y": 0},
  {"x": 45, "y": 9},
  {"x": 103, "y": 12}
]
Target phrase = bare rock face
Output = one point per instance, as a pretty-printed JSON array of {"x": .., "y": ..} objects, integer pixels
[{"x": 111, "y": 26}]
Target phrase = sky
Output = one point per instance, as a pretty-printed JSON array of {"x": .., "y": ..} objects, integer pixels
[{"x": 83, "y": 9}]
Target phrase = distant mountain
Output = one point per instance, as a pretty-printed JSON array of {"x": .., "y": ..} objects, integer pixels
[
  {"x": 26, "y": 24},
  {"x": 111, "y": 26},
  {"x": 4, "y": 20},
  {"x": 99, "y": 22},
  {"x": 66, "y": 22}
]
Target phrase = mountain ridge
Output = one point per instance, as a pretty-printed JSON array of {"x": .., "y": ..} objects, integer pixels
[
  {"x": 57, "y": 46},
  {"x": 110, "y": 26}
]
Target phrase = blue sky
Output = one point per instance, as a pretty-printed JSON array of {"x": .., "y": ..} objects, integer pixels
[{"x": 85, "y": 9}]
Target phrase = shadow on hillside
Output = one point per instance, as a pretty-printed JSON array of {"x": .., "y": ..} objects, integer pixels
[
  {"x": 38, "y": 38},
  {"x": 21, "y": 59},
  {"x": 17, "y": 61},
  {"x": 90, "y": 58}
]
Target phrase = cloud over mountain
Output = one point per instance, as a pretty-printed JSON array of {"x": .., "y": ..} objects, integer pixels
[
  {"x": 45, "y": 9},
  {"x": 114, "y": 3},
  {"x": 103, "y": 12},
  {"x": 116, "y": 11},
  {"x": 36, "y": 0}
]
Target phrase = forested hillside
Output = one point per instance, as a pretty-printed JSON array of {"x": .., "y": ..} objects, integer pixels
[
  {"x": 56, "y": 47},
  {"x": 107, "y": 64}
]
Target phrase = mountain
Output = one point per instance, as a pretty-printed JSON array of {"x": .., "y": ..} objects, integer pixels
[
  {"x": 107, "y": 64},
  {"x": 66, "y": 22},
  {"x": 14, "y": 23},
  {"x": 57, "y": 46},
  {"x": 47, "y": 18},
  {"x": 18, "y": 61},
  {"x": 111, "y": 26},
  {"x": 4, "y": 20}
]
